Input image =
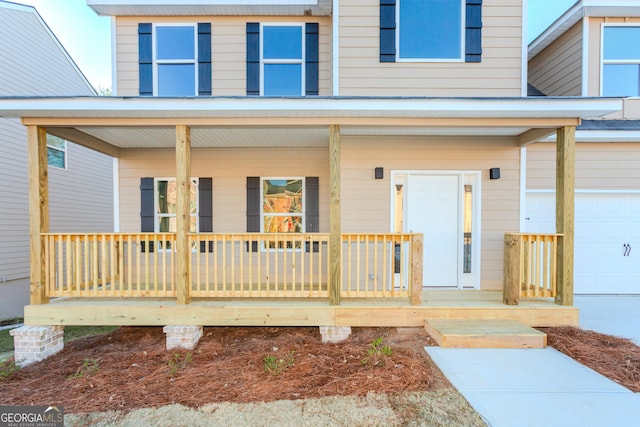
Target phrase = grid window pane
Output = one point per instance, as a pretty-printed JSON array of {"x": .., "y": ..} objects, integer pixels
[
  {"x": 282, "y": 79},
  {"x": 620, "y": 79},
  {"x": 176, "y": 80},
  {"x": 56, "y": 158},
  {"x": 282, "y": 224},
  {"x": 621, "y": 43},
  {"x": 175, "y": 43},
  {"x": 282, "y": 42},
  {"x": 430, "y": 29}
]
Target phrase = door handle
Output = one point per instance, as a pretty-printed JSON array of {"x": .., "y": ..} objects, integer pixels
[{"x": 627, "y": 249}]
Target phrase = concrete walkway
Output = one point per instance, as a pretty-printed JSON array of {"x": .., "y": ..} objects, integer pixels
[
  {"x": 617, "y": 315},
  {"x": 536, "y": 387}
]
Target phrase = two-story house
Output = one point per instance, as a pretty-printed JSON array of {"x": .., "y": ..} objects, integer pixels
[
  {"x": 591, "y": 51},
  {"x": 310, "y": 162},
  {"x": 80, "y": 179}
]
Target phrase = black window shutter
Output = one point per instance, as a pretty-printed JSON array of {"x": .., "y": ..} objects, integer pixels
[
  {"x": 387, "y": 30},
  {"x": 145, "y": 59},
  {"x": 473, "y": 31},
  {"x": 253, "y": 58},
  {"x": 312, "y": 207},
  {"x": 205, "y": 210},
  {"x": 311, "y": 59},
  {"x": 204, "y": 59},
  {"x": 253, "y": 208},
  {"x": 147, "y": 219}
]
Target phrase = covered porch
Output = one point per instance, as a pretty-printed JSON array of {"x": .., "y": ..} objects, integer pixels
[{"x": 333, "y": 276}]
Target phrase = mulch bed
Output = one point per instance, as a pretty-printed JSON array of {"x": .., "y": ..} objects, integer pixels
[
  {"x": 130, "y": 368},
  {"x": 616, "y": 358}
]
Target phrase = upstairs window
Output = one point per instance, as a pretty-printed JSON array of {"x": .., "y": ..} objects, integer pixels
[
  {"x": 56, "y": 152},
  {"x": 282, "y": 60},
  {"x": 430, "y": 29},
  {"x": 621, "y": 61},
  {"x": 174, "y": 59}
]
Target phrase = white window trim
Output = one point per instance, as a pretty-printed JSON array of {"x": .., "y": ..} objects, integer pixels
[
  {"x": 304, "y": 200},
  {"x": 463, "y": 26},
  {"x": 613, "y": 61},
  {"x": 63, "y": 150},
  {"x": 157, "y": 216},
  {"x": 157, "y": 62},
  {"x": 284, "y": 61}
]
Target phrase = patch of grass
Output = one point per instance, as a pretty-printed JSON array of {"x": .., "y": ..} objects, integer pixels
[
  {"x": 377, "y": 353},
  {"x": 6, "y": 341},
  {"x": 8, "y": 368},
  {"x": 177, "y": 362},
  {"x": 275, "y": 365},
  {"x": 89, "y": 367},
  {"x": 74, "y": 332}
]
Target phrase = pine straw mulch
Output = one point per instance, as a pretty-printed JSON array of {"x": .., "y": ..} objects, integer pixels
[
  {"x": 616, "y": 358},
  {"x": 129, "y": 368}
]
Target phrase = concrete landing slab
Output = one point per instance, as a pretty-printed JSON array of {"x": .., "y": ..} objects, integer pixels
[
  {"x": 535, "y": 387},
  {"x": 462, "y": 333}
]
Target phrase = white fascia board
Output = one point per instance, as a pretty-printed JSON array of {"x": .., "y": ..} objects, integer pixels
[
  {"x": 601, "y": 136},
  {"x": 89, "y": 107}
]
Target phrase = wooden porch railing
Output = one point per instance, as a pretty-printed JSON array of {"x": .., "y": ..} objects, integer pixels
[
  {"x": 236, "y": 265},
  {"x": 110, "y": 264},
  {"x": 530, "y": 266}
]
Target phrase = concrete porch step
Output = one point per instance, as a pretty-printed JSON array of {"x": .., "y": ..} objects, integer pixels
[{"x": 463, "y": 333}]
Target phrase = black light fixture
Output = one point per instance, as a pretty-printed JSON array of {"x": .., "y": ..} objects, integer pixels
[
  {"x": 379, "y": 173},
  {"x": 494, "y": 173}
]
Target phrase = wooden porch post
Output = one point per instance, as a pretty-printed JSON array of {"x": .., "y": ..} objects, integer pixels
[
  {"x": 38, "y": 210},
  {"x": 565, "y": 193},
  {"x": 183, "y": 214},
  {"x": 335, "y": 237}
]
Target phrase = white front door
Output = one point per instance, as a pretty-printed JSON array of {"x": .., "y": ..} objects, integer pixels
[{"x": 433, "y": 208}]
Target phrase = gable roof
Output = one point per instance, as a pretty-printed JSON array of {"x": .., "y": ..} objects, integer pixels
[
  {"x": 34, "y": 62},
  {"x": 580, "y": 10}
]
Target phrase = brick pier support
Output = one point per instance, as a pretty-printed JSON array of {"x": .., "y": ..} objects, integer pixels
[
  {"x": 35, "y": 343},
  {"x": 185, "y": 337},
  {"x": 334, "y": 333}
]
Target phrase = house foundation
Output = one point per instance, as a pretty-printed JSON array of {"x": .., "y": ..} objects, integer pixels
[
  {"x": 183, "y": 337},
  {"x": 332, "y": 334},
  {"x": 35, "y": 343}
]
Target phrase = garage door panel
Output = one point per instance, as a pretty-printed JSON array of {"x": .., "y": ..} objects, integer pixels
[{"x": 604, "y": 223}]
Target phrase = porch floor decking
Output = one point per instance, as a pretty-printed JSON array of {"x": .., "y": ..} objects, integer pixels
[{"x": 437, "y": 304}]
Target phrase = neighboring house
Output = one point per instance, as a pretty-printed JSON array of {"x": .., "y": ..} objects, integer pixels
[
  {"x": 593, "y": 50},
  {"x": 80, "y": 180},
  {"x": 380, "y": 139}
]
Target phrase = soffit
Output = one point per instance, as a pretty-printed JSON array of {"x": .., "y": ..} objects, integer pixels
[{"x": 211, "y": 7}]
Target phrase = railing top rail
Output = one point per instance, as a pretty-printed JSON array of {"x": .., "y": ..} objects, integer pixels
[
  {"x": 149, "y": 233},
  {"x": 534, "y": 234}
]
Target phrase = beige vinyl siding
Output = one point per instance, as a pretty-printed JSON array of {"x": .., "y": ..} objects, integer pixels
[
  {"x": 32, "y": 63},
  {"x": 229, "y": 169},
  {"x": 362, "y": 73},
  {"x": 557, "y": 70},
  {"x": 599, "y": 166},
  {"x": 228, "y": 45},
  {"x": 366, "y": 202},
  {"x": 595, "y": 50},
  {"x": 81, "y": 196}
]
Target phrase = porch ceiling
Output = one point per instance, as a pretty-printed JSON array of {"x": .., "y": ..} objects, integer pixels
[{"x": 110, "y": 123}]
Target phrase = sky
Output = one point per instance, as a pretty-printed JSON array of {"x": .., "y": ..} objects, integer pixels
[{"x": 87, "y": 36}]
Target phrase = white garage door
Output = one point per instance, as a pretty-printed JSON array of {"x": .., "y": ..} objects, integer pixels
[{"x": 607, "y": 239}]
